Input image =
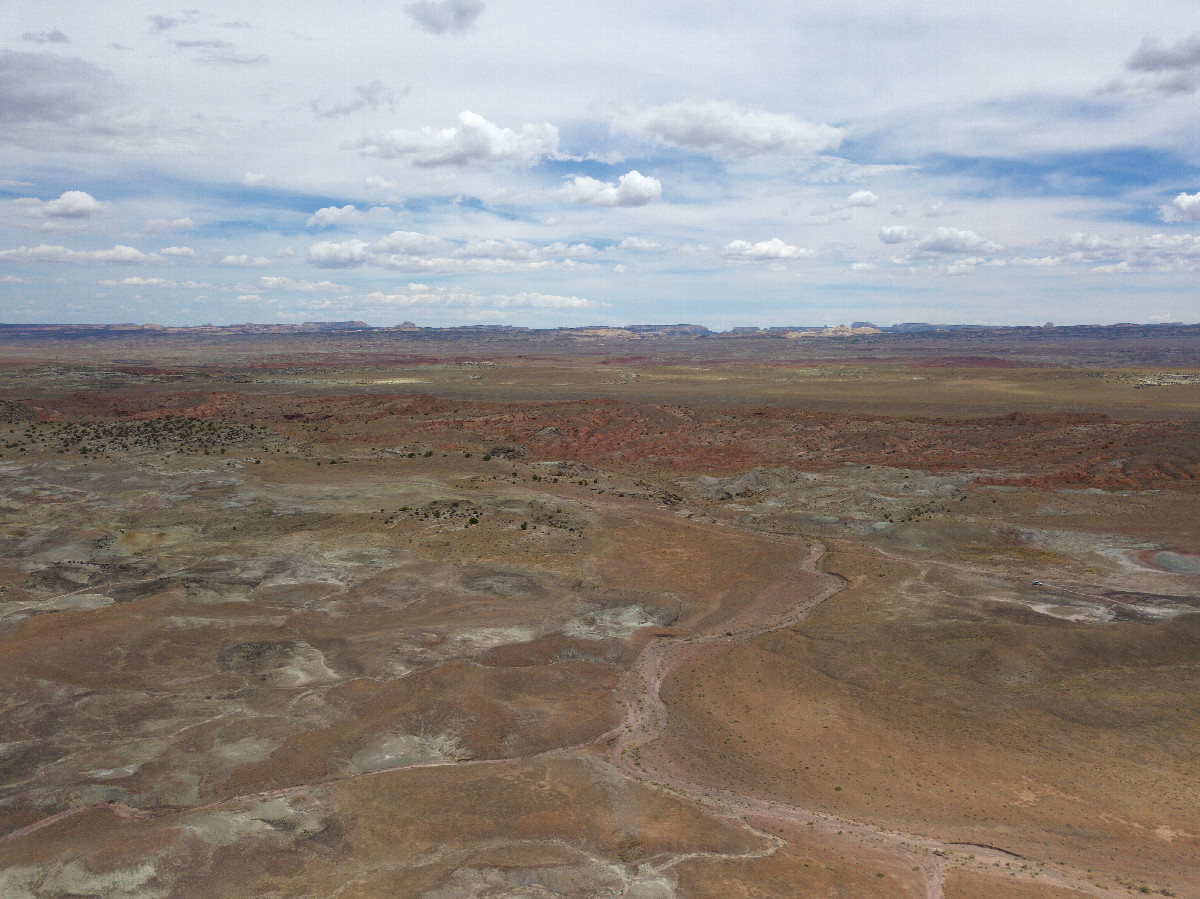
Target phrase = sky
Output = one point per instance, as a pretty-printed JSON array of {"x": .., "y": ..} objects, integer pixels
[{"x": 544, "y": 164}]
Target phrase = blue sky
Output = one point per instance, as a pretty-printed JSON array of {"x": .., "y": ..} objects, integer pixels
[{"x": 548, "y": 163}]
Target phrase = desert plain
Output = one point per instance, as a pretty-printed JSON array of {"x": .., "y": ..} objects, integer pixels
[{"x": 410, "y": 613}]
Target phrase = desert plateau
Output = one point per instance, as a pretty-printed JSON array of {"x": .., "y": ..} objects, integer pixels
[{"x": 420, "y": 613}]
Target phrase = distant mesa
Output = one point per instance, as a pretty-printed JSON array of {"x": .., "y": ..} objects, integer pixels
[
  {"x": 591, "y": 333},
  {"x": 335, "y": 326},
  {"x": 854, "y": 330}
]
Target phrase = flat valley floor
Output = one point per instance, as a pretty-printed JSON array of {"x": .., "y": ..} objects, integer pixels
[{"x": 359, "y": 616}]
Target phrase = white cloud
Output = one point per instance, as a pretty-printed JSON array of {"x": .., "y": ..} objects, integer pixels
[
  {"x": 139, "y": 282},
  {"x": 951, "y": 240},
  {"x": 335, "y": 215},
  {"x": 376, "y": 182},
  {"x": 1184, "y": 208},
  {"x": 1106, "y": 255},
  {"x": 1038, "y": 261},
  {"x": 505, "y": 248},
  {"x": 473, "y": 141},
  {"x": 725, "y": 129},
  {"x": 244, "y": 261},
  {"x": 347, "y": 254},
  {"x": 863, "y": 267},
  {"x": 862, "y": 198},
  {"x": 11, "y": 279},
  {"x": 415, "y": 252},
  {"x": 446, "y": 16},
  {"x": 895, "y": 234},
  {"x": 179, "y": 252},
  {"x": 273, "y": 283},
  {"x": 571, "y": 251},
  {"x": 421, "y": 296},
  {"x": 969, "y": 264},
  {"x": 410, "y": 243},
  {"x": 1155, "y": 252},
  {"x": 179, "y": 224},
  {"x": 632, "y": 189},
  {"x": 44, "y": 253},
  {"x": 638, "y": 243},
  {"x": 253, "y": 179},
  {"x": 73, "y": 204},
  {"x": 763, "y": 251}
]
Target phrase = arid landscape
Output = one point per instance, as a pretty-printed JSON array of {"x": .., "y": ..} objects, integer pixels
[{"x": 470, "y": 613}]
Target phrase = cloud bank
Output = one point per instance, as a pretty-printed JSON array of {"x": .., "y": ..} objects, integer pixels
[
  {"x": 726, "y": 130},
  {"x": 473, "y": 141}
]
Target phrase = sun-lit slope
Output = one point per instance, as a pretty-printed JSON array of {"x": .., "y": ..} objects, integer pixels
[{"x": 943, "y": 713}]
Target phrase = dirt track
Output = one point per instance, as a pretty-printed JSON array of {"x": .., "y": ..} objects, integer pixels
[{"x": 646, "y": 719}]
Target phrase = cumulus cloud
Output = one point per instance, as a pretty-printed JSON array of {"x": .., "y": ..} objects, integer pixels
[
  {"x": 863, "y": 267},
  {"x": 473, "y": 141},
  {"x": 71, "y": 204},
  {"x": 862, "y": 198},
  {"x": 415, "y": 252},
  {"x": 952, "y": 240},
  {"x": 411, "y": 243},
  {"x": 244, "y": 261},
  {"x": 771, "y": 250},
  {"x": 725, "y": 129},
  {"x": 335, "y": 215},
  {"x": 638, "y": 243},
  {"x": 895, "y": 234},
  {"x": 445, "y": 17},
  {"x": 632, "y": 189},
  {"x": 1184, "y": 208},
  {"x": 46, "y": 37},
  {"x": 1161, "y": 68},
  {"x": 253, "y": 179},
  {"x": 571, "y": 251},
  {"x": 178, "y": 252},
  {"x": 347, "y": 254},
  {"x": 119, "y": 254}
]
